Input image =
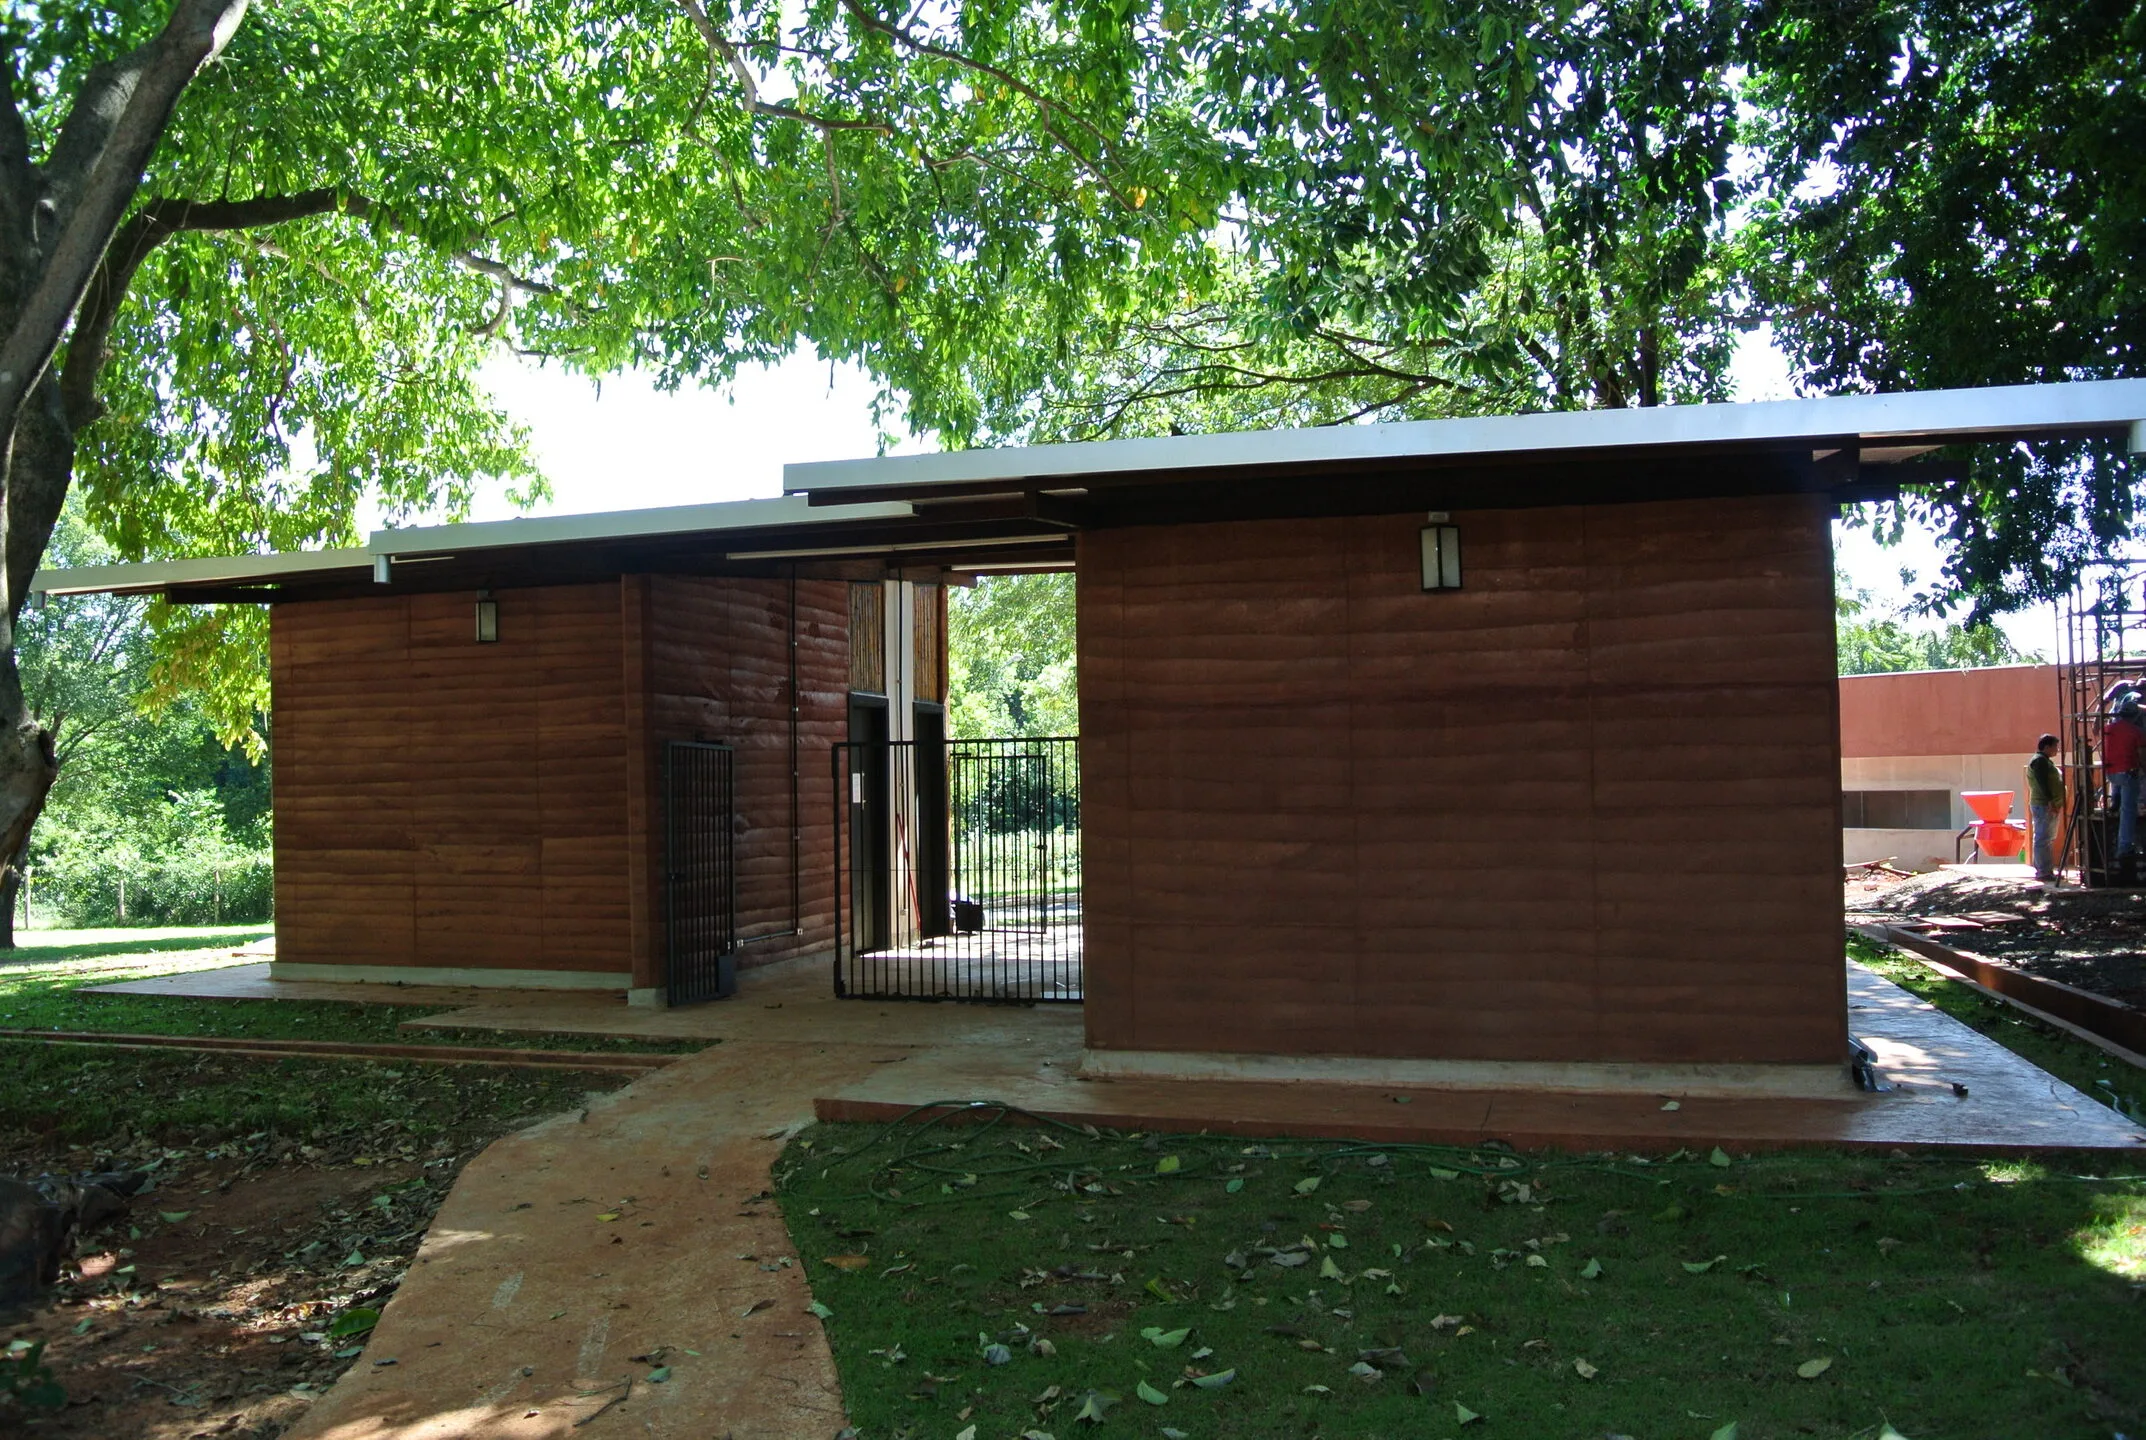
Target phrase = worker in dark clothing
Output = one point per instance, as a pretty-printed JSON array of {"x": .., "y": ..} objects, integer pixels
[
  {"x": 2045, "y": 804},
  {"x": 2122, "y": 743}
]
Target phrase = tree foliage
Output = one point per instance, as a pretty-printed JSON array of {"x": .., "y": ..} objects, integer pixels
[
  {"x": 1870, "y": 642},
  {"x": 1459, "y": 208},
  {"x": 151, "y": 818},
  {"x": 1012, "y": 657},
  {"x": 83, "y": 657},
  {"x": 1056, "y": 219},
  {"x": 1952, "y": 195}
]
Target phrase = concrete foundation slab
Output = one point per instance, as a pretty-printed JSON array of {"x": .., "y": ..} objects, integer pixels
[
  {"x": 1949, "y": 1088},
  {"x": 1823, "y": 1082}
]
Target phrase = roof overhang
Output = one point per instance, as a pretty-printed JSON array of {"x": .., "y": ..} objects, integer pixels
[
  {"x": 740, "y": 537},
  {"x": 156, "y": 576},
  {"x": 1874, "y": 429},
  {"x": 986, "y": 511}
]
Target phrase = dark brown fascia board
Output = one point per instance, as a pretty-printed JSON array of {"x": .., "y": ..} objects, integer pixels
[
  {"x": 1271, "y": 498},
  {"x": 1837, "y": 474}
]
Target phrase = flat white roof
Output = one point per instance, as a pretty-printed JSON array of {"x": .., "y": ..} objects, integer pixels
[
  {"x": 1992, "y": 412},
  {"x": 785, "y": 512}
]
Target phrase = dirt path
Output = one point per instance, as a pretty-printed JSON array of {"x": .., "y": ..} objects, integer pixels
[{"x": 634, "y": 1242}]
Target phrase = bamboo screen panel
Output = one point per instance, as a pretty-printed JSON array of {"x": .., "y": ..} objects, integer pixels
[{"x": 867, "y": 638}]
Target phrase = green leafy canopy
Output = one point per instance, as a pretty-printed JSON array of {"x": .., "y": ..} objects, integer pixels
[{"x": 1058, "y": 219}]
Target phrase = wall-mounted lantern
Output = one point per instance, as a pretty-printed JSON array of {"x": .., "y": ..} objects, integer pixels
[
  {"x": 1441, "y": 553},
  {"x": 487, "y": 618}
]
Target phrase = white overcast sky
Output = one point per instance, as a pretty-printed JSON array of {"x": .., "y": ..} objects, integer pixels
[{"x": 630, "y": 445}]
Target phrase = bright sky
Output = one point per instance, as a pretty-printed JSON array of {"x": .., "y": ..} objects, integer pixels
[{"x": 631, "y": 445}]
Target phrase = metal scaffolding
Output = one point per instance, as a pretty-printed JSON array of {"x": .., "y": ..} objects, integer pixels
[{"x": 2102, "y": 640}]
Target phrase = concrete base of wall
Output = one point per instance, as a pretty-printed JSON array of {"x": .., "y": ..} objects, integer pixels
[
  {"x": 649, "y": 997},
  {"x": 1785, "y": 1081},
  {"x": 453, "y": 975}
]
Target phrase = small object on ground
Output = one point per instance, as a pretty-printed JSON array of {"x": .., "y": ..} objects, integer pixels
[
  {"x": 619, "y": 1399},
  {"x": 39, "y": 1219}
]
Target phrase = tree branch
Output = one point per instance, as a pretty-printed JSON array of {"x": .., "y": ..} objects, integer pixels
[
  {"x": 150, "y": 227},
  {"x": 96, "y": 168},
  {"x": 1043, "y": 103},
  {"x": 165, "y": 217},
  {"x": 18, "y": 180},
  {"x": 720, "y": 47}
]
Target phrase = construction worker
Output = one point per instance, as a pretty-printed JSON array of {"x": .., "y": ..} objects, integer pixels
[
  {"x": 2122, "y": 742},
  {"x": 2045, "y": 803}
]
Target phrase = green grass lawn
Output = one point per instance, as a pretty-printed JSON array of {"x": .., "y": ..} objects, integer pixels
[
  {"x": 1400, "y": 1291},
  {"x": 42, "y": 980},
  {"x": 1397, "y": 1291},
  {"x": 69, "y": 1093}
]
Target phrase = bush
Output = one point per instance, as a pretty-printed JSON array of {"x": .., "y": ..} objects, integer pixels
[{"x": 178, "y": 864}]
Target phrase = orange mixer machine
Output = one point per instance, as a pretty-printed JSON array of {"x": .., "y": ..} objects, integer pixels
[{"x": 1997, "y": 836}]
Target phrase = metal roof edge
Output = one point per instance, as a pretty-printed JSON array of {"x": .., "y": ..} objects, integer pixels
[
  {"x": 780, "y": 513},
  {"x": 763, "y": 514},
  {"x": 1986, "y": 411},
  {"x": 147, "y": 575}
]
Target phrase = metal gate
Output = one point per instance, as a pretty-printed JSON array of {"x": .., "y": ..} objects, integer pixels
[
  {"x": 957, "y": 870},
  {"x": 700, "y": 895}
]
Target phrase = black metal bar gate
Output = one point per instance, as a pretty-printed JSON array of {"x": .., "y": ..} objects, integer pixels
[
  {"x": 700, "y": 898},
  {"x": 957, "y": 870}
]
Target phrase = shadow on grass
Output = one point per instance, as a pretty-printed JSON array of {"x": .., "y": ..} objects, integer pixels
[
  {"x": 78, "y": 1094},
  {"x": 1361, "y": 1291}
]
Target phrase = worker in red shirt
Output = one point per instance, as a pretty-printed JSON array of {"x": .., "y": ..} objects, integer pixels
[{"x": 2123, "y": 742}]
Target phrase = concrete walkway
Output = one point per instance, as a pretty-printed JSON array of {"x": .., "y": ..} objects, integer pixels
[{"x": 644, "y": 1229}]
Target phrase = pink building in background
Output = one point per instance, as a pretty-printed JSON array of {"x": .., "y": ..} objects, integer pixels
[{"x": 1910, "y": 743}]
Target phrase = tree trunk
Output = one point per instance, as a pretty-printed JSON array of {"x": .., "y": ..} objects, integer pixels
[
  {"x": 57, "y": 221},
  {"x": 38, "y": 471},
  {"x": 10, "y": 894}
]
